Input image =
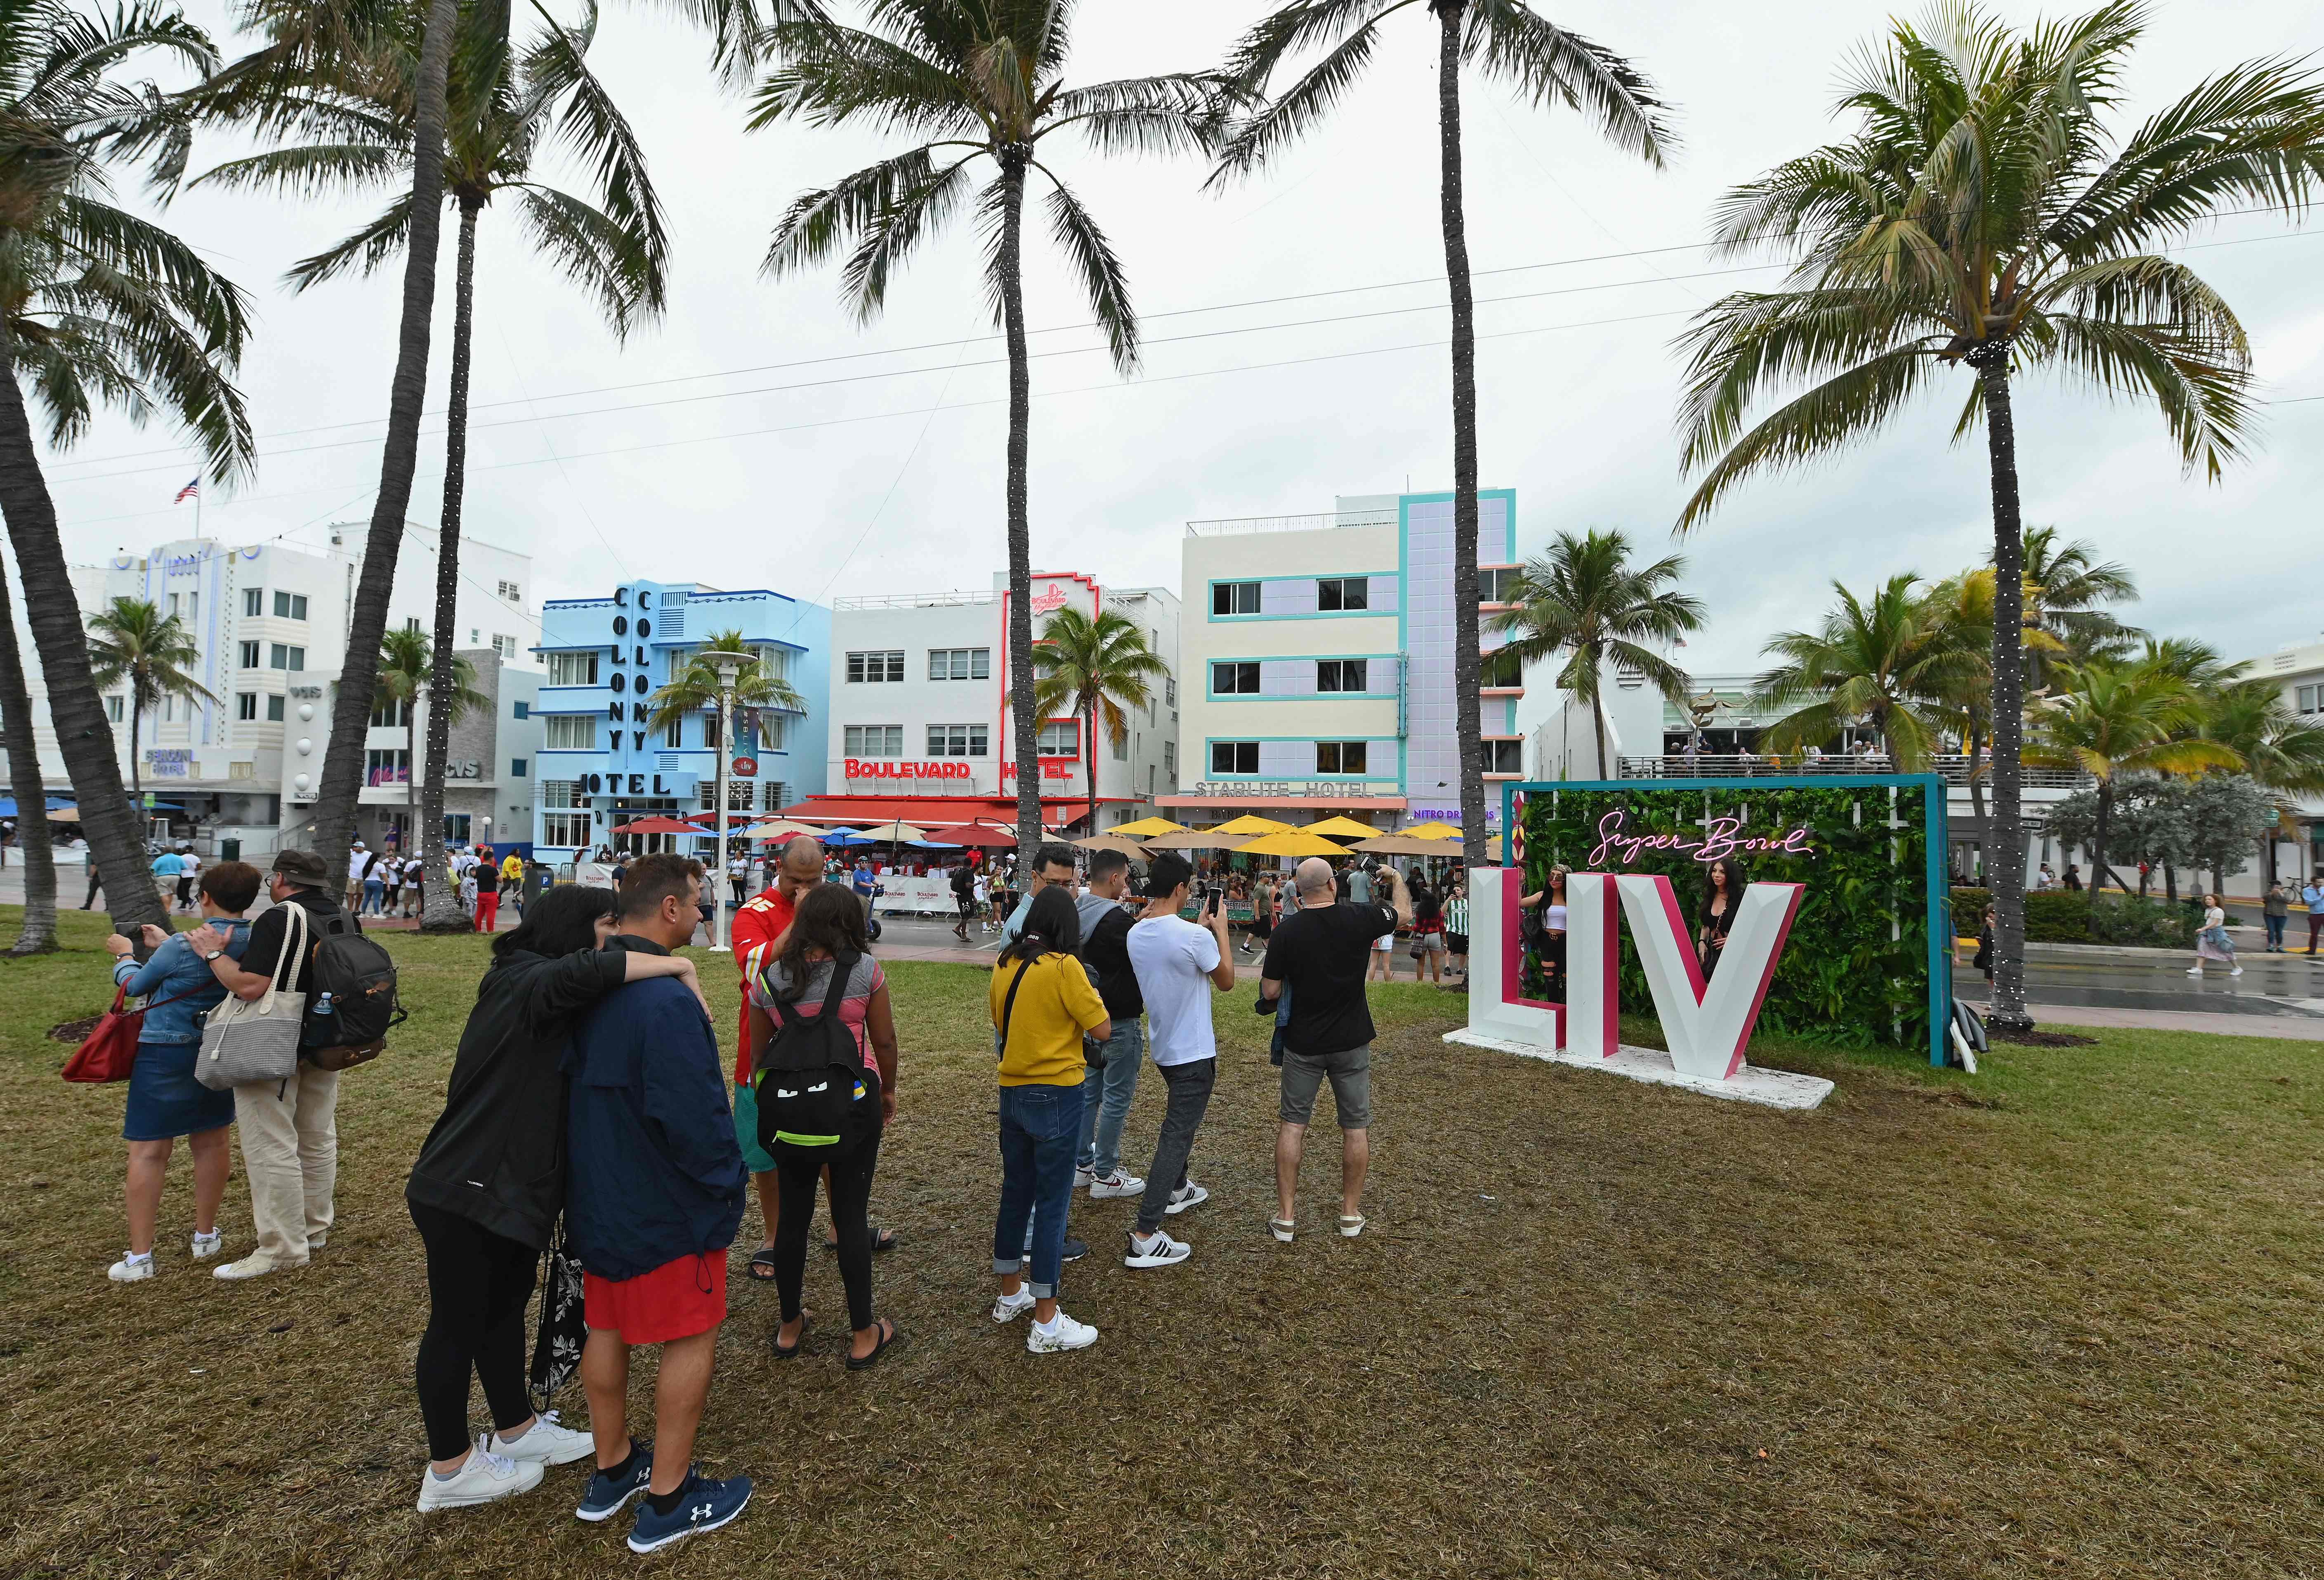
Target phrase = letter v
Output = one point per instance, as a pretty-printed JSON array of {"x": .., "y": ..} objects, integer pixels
[{"x": 1708, "y": 1029}]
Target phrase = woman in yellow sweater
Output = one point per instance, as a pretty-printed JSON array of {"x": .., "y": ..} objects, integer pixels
[{"x": 1043, "y": 1005}]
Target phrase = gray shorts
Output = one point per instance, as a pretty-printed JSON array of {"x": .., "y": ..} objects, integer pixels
[{"x": 1351, "y": 1075}]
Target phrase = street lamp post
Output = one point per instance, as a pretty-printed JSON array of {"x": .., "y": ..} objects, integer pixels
[{"x": 730, "y": 667}]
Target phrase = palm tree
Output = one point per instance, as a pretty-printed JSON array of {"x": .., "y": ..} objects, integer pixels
[
  {"x": 695, "y": 685},
  {"x": 982, "y": 79},
  {"x": 1512, "y": 44},
  {"x": 39, "y": 934},
  {"x": 1961, "y": 607},
  {"x": 132, "y": 640},
  {"x": 1093, "y": 667},
  {"x": 501, "y": 112},
  {"x": 1986, "y": 215},
  {"x": 98, "y": 306},
  {"x": 2282, "y": 752},
  {"x": 407, "y": 672},
  {"x": 1584, "y": 600},
  {"x": 2065, "y": 586},
  {"x": 1886, "y": 662},
  {"x": 2109, "y": 719}
]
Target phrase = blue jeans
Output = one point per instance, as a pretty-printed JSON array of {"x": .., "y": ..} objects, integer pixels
[
  {"x": 1038, "y": 1128},
  {"x": 1106, "y": 1094},
  {"x": 2275, "y": 930},
  {"x": 375, "y": 897}
]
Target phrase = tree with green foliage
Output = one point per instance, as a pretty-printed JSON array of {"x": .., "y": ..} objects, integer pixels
[
  {"x": 1882, "y": 662},
  {"x": 2067, "y": 589},
  {"x": 1095, "y": 667},
  {"x": 967, "y": 80},
  {"x": 1510, "y": 44},
  {"x": 409, "y": 675},
  {"x": 759, "y": 687},
  {"x": 1584, "y": 601},
  {"x": 98, "y": 307},
  {"x": 2282, "y": 751},
  {"x": 1988, "y": 216},
  {"x": 131, "y": 641}
]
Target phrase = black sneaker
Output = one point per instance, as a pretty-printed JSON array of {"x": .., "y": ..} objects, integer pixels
[
  {"x": 606, "y": 1496},
  {"x": 1076, "y": 1250}
]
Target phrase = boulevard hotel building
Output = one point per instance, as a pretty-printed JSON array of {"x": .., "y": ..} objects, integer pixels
[{"x": 1319, "y": 653}]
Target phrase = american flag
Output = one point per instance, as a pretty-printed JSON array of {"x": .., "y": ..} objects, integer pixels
[{"x": 190, "y": 491}]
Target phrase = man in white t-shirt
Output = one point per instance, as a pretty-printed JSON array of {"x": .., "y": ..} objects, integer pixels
[{"x": 1177, "y": 963}]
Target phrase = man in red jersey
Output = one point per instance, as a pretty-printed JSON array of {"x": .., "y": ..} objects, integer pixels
[{"x": 757, "y": 934}]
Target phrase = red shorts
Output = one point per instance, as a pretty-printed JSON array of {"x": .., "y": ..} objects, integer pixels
[{"x": 676, "y": 1300}]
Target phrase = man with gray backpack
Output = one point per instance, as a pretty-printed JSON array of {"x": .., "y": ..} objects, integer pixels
[{"x": 344, "y": 986}]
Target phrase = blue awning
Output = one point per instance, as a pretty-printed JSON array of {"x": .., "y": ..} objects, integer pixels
[{"x": 8, "y": 804}]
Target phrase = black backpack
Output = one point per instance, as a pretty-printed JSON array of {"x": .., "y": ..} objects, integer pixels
[
  {"x": 351, "y": 999},
  {"x": 813, "y": 1087}
]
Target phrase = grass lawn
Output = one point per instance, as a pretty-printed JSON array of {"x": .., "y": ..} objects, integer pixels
[{"x": 2061, "y": 1319}]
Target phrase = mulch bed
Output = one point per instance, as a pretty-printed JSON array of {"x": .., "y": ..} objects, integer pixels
[{"x": 74, "y": 1031}]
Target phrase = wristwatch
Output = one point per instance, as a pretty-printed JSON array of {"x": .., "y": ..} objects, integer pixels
[{"x": 213, "y": 954}]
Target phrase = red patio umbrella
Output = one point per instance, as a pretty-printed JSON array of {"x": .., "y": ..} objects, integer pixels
[
  {"x": 972, "y": 833},
  {"x": 659, "y": 824}
]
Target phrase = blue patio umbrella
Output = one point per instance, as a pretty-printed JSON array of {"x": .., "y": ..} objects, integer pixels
[{"x": 847, "y": 839}]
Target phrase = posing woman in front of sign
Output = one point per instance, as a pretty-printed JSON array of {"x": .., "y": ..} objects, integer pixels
[{"x": 1722, "y": 891}]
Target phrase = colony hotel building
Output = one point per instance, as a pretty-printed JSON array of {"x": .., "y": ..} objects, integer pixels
[
  {"x": 921, "y": 723},
  {"x": 1319, "y": 653},
  {"x": 601, "y": 763}
]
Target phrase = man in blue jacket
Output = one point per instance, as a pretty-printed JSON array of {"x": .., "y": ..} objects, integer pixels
[{"x": 653, "y": 1197}]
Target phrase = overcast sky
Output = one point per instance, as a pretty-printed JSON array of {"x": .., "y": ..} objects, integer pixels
[{"x": 742, "y": 451}]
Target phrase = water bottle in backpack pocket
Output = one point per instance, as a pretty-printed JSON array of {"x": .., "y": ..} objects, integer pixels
[
  {"x": 352, "y": 1003},
  {"x": 813, "y": 1087}
]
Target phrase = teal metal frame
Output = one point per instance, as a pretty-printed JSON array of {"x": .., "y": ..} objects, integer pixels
[{"x": 1936, "y": 854}]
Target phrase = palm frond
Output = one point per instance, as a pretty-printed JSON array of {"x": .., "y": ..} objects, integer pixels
[
  {"x": 1840, "y": 409},
  {"x": 1511, "y": 42},
  {"x": 1298, "y": 109},
  {"x": 2200, "y": 384},
  {"x": 1099, "y": 269}
]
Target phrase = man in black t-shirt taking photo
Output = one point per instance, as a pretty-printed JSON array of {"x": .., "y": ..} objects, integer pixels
[{"x": 1318, "y": 954}]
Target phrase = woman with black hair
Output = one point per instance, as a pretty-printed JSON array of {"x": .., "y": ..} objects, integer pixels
[
  {"x": 1722, "y": 891},
  {"x": 490, "y": 1182},
  {"x": 1042, "y": 1006}
]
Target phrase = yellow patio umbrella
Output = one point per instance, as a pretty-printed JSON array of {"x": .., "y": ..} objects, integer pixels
[
  {"x": 1291, "y": 842},
  {"x": 1249, "y": 824},
  {"x": 1406, "y": 845},
  {"x": 1148, "y": 825},
  {"x": 1341, "y": 827},
  {"x": 1194, "y": 839},
  {"x": 1431, "y": 830}
]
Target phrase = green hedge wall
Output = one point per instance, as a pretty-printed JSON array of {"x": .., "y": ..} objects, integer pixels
[
  {"x": 2061, "y": 916},
  {"x": 1855, "y": 972}
]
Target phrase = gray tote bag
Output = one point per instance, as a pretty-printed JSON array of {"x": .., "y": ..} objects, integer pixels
[{"x": 257, "y": 1039}]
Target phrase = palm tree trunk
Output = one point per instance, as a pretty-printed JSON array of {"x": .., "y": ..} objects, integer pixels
[
  {"x": 411, "y": 783},
  {"x": 40, "y": 931},
  {"x": 1089, "y": 749},
  {"x": 84, "y": 738},
  {"x": 341, "y": 788},
  {"x": 1597, "y": 724},
  {"x": 441, "y": 911},
  {"x": 2005, "y": 862},
  {"x": 2098, "y": 853},
  {"x": 1977, "y": 794},
  {"x": 1466, "y": 652},
  {"x": 1013, "y": 161},
  {"x": 136, "y": 730}
]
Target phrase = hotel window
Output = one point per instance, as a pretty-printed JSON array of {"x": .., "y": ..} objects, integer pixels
[
  {"x": 1170, "y": 691},
  {"x": 168, "y": 709},
  {"x": 1060, "y": 738},
  {"x": 1502, "y": 756},
  {"x": 738, "y": 793},
  {"x": 1497, "y": 584},
  {"x": 1500, "y": 667},
  {"x": 505, "y": 646},
  {"x": 957, "y": 740},
  {"x": 524, "y": 710},
  {"x": 672, "y": 738},
  {"x": 705, "y": 794},
  {"x": 559, "y": 794},
  {"x": 1234, "y": 597},
  {"x": 274, "y": 710},
  {"x": 1234, "y": 756},
  {"x": 1339, "y": 756},
  {"x": 1121, "y": 746},
  {"x": 173, "y": 604},
  {"x": 508, "y": 590},
  {"x": 245, "y": 705},
  {"x": 516, "y": 768},
  {"x": 1235, "y": 680},
  {"x": 1351, "y": 592},
  {"x": 567, "y": 831},
  {"x": 248, "y": 656},
  {"x": 1342, "y": 674},
  {"x": 875, "y": 740},
  {"x": 289, "y": 606},
  {"x": 2308, "y": 698},
  {"x": 411, "y": 621},
  {"x": 960, "y": 664},
  {"x": 568, "y": 732},
  {"x": 387, "y": 768},
  {"x": 875, "y": 666},
  {"x": 1170, "y": 757},
  {"x": 390, "y": 714},
  {"x": 112, "y": 711},
  {"x": 279, "y": 657},
  {"x": 773, "y": 730},
  {"x": 253, "y": 601},
  {"x": 193, "y": 609},
  {"x": 573, "y": 669}
]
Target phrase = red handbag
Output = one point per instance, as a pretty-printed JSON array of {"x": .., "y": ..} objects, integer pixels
[{"x": 111, "y": 1048}]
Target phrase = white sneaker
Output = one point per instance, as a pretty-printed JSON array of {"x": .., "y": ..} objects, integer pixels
[
  {"x": 2194, "y": 971},
  {"x": 2238, "y": 971},
  {"x": 1116, "y": 1184},
  {"x": 1160, "y": 1250},
  {"x": 1082, "y": 1177},
  {"x": 257, "y": 1264},
  {"x": 206, "y": 1246},
  {"x": 547, "y": 1440},
  {"x": 483, "y": 1478},
  {"x": 317, "y": 1241},
  {"x": 1188, "y": 1194},
  {"x": 131, "y": 1269},
  {"x": 1058, "y": 1335},
  {"x": 1013, "y": 1306}
]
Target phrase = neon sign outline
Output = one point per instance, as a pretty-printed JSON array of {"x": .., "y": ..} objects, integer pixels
[{"x": 1720, "y": 839}]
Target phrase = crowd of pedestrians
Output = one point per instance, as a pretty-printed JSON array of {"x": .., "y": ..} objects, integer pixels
[{"x": 591, "y": 1117}]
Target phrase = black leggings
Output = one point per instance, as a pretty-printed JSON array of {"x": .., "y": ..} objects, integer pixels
[
  {"x": 851, "y": 1196},
  {"x": 478, "y": 1283}
]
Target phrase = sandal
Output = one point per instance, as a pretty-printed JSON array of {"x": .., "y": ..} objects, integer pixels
[
  {"x": 1283, "y": 1228},
  {"x": 784, "y": 1352},
  {"x": 762, "y": 1266},
  {"x": 889, "y": 1336},
  {"x": 882, "y": 1240},
  {"x": 1352, "y": 1225}
]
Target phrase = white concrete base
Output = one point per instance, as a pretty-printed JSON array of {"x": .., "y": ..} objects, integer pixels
[{"x": 1769, "y": 1088}]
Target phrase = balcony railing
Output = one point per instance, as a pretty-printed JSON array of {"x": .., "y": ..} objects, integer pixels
[
  {"x": 918, "y": 600},
  {"x": 1737, "y": 765},
  {"x": 1322, "y": 521}
]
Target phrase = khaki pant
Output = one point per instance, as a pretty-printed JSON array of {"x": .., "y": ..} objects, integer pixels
[{"x": 290, "y": 1150}]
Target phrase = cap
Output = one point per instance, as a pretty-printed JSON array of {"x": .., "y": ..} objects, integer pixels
[{"x": 302, "y": 866}]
